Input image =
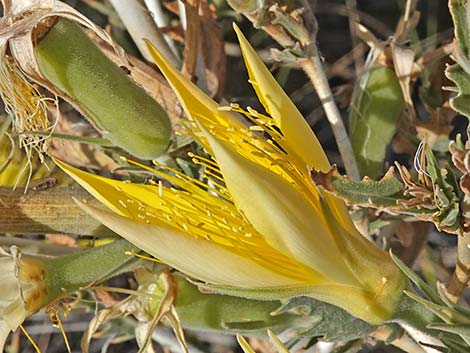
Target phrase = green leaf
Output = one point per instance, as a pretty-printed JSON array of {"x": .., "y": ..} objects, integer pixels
[
  {"x": 459, "y": 329},
  {"x": 445, "y": 188},
  {"x": 432, "y": 200},
  {"x": 368, "y": 193},
  {"x": 455, "y": 346},
  {"x": 375, "y": 110},
  {"x": 459, "y": 73},
  {"x": 460, "y": 11}
]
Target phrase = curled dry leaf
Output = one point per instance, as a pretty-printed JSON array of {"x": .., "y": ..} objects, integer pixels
[{"x": 150, "y": 304}]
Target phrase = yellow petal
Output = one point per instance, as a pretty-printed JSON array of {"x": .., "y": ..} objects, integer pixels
[
  {"x": 196, "y": 103},
  {"x": 201, "y": 259},
  {"x": 284, "y": 216},
  {"x": 196, "y": 213},
  {"x": 297, "y": 132},
  {"x": 107, "y": 191}
]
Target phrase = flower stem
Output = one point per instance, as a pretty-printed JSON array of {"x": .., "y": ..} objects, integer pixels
[
  {"x": 69, "y": 273},
  {"x": 461, "y": 276}
]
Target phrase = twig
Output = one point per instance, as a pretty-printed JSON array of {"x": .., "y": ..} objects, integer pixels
[
  {"x": 313, "y": 67},
  {"x": 161, "y": 20},
  {"x": 140, "y": 25},
  {"x": 461, "y": 276},
  {"x": 368, "y": 20},
  {"x": 405, "y": 343}
]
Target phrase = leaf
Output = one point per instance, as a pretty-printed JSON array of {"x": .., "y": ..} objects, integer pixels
[
  {"x": 376, "y": 107},
  {"x": 459, "y": 9},
  {"x": 455, "y": 346},
  {"x": 368, "y": 193},
  {"x": 445, "y": 187},
  {"x": 213, "y": 52},
  {"x": 461, "y": 330},
  {"x": 431, "y": 198},
  {"x": 459, "y": 73}
]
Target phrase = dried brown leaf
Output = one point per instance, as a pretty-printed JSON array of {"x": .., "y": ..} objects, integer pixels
[
  {"x": 191, "y": 38},
  {"x": 213, "y": 53}
]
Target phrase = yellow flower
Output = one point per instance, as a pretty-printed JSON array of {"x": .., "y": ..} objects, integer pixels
[{"x": 259, "y": 224}]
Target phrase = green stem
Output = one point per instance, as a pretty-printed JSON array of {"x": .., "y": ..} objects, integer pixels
[
  {"x": 70, "y": 273},
  {"x": 82, "y": 139}
]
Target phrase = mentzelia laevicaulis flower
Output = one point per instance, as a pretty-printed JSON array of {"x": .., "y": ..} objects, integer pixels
[{"x": 260, "y": 225}]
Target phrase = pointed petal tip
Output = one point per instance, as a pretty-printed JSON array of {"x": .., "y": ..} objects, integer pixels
[
  {"x": 245, "y": 46},
  {"x": 156, "y": 55},
  {"x": 236, "y": 29}
]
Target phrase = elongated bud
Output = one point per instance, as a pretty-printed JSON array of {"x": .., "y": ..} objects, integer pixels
[
  {"x": 116, "y": 105},
  {"x": 43, "y": 43}
]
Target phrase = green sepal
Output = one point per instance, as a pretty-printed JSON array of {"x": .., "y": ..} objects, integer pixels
[
  {"x": 417, "y": 281},
  {"x": 228, "y": 314},
  {"x": 438, "y": 314},
  {"x": 443, "y": 312},
  {"x": 327, "y": 321}
]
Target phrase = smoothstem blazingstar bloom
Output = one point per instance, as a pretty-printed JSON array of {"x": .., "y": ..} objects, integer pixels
[{"x": 259, "y": 227}]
